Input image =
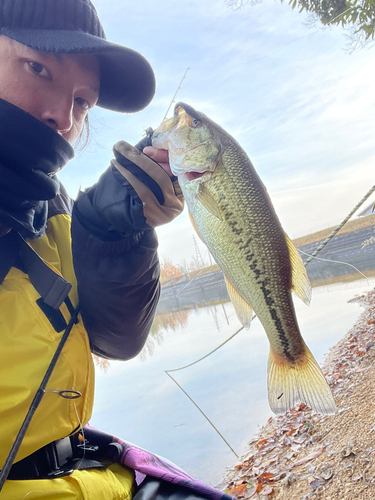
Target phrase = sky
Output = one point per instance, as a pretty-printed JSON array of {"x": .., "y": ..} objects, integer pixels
[{"x": 300, "y": 105}]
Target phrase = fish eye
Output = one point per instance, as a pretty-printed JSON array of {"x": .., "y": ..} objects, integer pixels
[{"x": 195, "y": 123}]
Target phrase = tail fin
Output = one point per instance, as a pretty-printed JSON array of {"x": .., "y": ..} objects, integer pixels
[{"x": 289, "y": 384}]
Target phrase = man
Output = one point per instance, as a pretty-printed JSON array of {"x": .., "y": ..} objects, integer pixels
[{"x": 76, "y": 277}]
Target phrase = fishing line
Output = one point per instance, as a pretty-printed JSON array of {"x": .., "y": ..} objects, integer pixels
[
  {"x": 337, "y": 229},
  {"x": 334, "y": 261},
  {"x": 174, "y": 97},
  {"x": 206, "y": 356},
  {"x": 192, "y": 400},
  {"x": 205, "y": 416},
  {"x": 82, "y": 431},
  {"x": 312, "y": 256},
  {"x": 189, "y": 282}
]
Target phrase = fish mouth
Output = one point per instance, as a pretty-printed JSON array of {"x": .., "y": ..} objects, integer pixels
[{"x": 191, "y": 176}]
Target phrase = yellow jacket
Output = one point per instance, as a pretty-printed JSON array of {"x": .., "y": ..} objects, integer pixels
[{"x": 28, "y": 342}]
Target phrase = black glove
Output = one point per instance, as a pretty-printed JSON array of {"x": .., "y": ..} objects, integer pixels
[
  {"x": 134, "y": 194},
  {"x": 145, "y": 141}
]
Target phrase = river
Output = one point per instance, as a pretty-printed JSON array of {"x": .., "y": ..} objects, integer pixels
[{"x": 137, "y": 401}]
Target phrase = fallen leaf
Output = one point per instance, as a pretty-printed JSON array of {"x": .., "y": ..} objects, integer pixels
[
  {"x": 268, "y": 490},
  {"x": 250, "y": 492},
  {"x": 289, "y": 479},
  {"x": 238, "y": 491},
  {"x": 326, "y": 473},
  {"x": 259, "y": 487},
  {"x": 266, "y": 477},
  {"x": 314, "y": 484},
  {"x": 308, "y": 458}
]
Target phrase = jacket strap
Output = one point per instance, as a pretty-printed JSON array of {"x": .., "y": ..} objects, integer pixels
[
  {"x": 52, "y": 287},
  {"x": 8, "y": 253}
]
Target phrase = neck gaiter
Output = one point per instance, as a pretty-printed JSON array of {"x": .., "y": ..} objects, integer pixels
[{"x": 31, "y": 154}]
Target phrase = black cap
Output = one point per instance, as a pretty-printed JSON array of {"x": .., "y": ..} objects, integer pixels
[{"x": 127, "y": 81}]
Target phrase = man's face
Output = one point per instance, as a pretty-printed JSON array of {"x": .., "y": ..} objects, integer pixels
[{"x": 56, "y": 89}]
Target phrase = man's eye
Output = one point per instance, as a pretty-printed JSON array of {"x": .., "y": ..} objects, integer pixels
[
  {"x": 83, "y": 103},
  {"x": 38, "y": 69}
]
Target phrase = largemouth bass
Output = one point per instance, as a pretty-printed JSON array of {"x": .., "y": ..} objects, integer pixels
[{"x": 233, "y": 215}]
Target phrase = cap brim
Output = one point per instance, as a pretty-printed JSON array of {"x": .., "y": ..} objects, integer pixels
[{"x": 127, "y": 81}]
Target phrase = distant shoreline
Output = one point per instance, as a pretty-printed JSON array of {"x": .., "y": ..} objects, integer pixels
[{"x": 353, "y": 247}]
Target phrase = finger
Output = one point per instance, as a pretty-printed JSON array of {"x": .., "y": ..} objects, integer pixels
[
  {"x": 159, "y": 155},
  {"x": 166, "y": 167}
]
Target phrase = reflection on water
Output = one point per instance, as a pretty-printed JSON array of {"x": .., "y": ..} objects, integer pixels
[
  {"x": 163, "y": 322},
  {"x": 139, "y": 402}
]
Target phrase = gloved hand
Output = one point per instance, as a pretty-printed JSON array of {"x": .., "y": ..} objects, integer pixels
[
  {"x": 161, "y": 156},
  {"x": 134, "y": 194},
  {"x": 160, "y": 195}
]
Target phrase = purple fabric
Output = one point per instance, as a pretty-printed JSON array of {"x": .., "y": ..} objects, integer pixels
[{"x": 145, "y": 463}]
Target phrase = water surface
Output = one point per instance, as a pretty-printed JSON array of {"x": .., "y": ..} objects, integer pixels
[{"x": 137, "y": 401}]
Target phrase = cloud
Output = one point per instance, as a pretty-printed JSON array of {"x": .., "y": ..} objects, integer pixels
[{"x": 299, "y": 105}]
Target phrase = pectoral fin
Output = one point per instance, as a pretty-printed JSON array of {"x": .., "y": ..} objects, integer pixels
[
  {"x": 208, "y": 201},
  {"x": 243, "y": 310},
  {"x": 300, "y": 281},
  {"x": 289, "y": 384}
]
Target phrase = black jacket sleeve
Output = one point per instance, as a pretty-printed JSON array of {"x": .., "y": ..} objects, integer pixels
[
  {"x": 118, "y": 289},
  {"x": 114, "y": 250}
]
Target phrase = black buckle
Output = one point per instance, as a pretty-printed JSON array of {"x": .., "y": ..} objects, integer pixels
[
  {"x": 81, "y": 451},
  {"x": 53, "y": 460},
  {"x": 59, "y": 453}
]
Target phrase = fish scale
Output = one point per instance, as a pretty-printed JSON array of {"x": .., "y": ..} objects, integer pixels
[
  {"x": 240, "y": 259},
  {"x": 233, "y": 215}
]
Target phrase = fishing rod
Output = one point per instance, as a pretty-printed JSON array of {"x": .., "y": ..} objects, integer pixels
[
  {"x": 174, "y": 97},
  {"x": 337, "y": 229},
  {"x": 37, "y": 399}
]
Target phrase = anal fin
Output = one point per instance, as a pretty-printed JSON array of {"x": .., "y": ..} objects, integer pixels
[
  {"x": 194, "y": 225},
  {"x": 243, "y": 310}
]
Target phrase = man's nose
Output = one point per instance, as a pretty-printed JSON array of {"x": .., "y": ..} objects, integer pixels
[{"x": 59, "y": 116}]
